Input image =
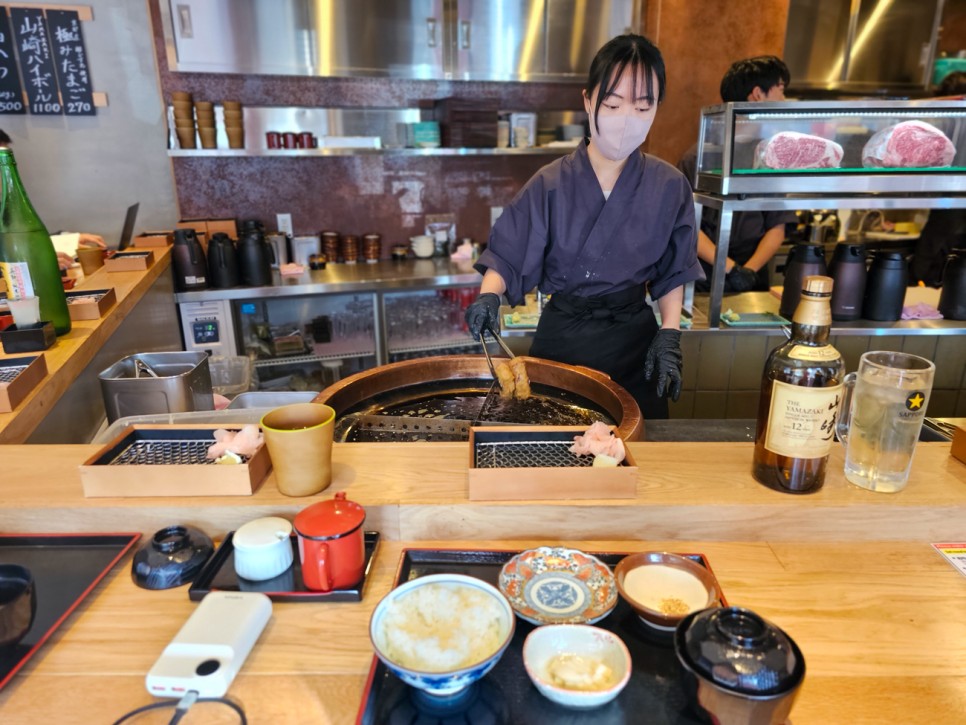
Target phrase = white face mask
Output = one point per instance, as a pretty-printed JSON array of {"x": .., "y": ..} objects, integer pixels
[{"x": 619, "y": 135}]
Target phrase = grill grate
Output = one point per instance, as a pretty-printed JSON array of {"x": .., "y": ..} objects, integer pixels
[
  {"x": 165, "y": 452},
  {"x": 529, "y": 454},
  {"x": 9, "y": 373}
]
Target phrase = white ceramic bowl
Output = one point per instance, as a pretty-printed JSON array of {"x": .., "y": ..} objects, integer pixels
[
  {"x": 423, "y": 246},
  {"x": 262, "y": 548},
  {"x": 587, "y": 642},
  {"x": 449, "y": 682}
]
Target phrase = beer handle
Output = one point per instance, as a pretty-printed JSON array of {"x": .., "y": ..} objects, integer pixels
[
  {"x": 324, "y": 565},
  {"x": 845, "y": 408}
]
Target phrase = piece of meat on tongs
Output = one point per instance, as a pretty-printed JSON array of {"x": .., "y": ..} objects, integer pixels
[
  {"x": 520, "y": 378},
  {"x": 510, "y": 374}
]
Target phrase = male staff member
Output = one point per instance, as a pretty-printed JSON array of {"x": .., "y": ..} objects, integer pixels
[{"x": 755, "y": 236}]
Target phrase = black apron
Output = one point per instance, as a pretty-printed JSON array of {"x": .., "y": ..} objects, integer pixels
[{"x": 610, "y": 333}]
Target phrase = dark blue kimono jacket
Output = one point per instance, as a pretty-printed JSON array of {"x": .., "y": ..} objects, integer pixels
[
  {"x": 559, "y": 234},
  {"x": 596, "y": 257}
]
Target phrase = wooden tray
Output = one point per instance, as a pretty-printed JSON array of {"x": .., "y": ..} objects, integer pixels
[
  {"x": 100, "y": 476},
  {"x": 66, "y": 568},
  {"x": 575, "y": 479},
  {"x": 14, "y": 391}
]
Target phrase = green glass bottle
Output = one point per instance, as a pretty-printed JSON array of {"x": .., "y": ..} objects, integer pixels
[{"x": 27, "y": 257}]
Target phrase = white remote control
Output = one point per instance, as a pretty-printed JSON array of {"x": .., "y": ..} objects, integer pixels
[{"x": 207, "y": 652}]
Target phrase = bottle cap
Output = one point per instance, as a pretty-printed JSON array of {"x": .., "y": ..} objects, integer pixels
[{"x": 818, "y": 285}]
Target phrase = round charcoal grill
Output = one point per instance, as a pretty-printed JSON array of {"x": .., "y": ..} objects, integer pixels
[{"x": 440, "y": 398}]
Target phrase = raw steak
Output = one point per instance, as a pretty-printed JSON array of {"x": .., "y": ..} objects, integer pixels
[
  {"x": 793, "y": 150},
  {"x": 906, "y": 144}
]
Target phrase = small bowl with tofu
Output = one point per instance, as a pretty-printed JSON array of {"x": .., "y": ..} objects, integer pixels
[{"x": 577, "y": 665}]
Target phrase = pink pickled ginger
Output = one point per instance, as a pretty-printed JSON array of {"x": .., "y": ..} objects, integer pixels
[{"x": 599, "y": 440}]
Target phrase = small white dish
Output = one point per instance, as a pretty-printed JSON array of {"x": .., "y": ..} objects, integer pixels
[
  {"x": 585, "y": 656},
  {"x": 262, "y": 548}
]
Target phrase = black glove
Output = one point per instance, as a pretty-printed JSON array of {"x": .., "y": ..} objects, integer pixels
[
  {"x": 665, "y": 354},
  {"x": 740, "y": 279},
  {"x": 484, "y": 313}
]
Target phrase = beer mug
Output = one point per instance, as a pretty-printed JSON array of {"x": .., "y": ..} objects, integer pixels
[{"x": 880, "y": 417}]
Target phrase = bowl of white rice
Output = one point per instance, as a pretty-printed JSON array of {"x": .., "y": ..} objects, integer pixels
[{"x": 442, "y": 632}]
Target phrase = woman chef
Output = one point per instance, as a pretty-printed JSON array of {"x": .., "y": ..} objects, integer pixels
[{"x": 598, "y": 228}]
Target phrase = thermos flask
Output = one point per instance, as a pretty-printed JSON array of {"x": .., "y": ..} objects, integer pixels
[
  {"x": 849, "y": 272},
  {"x": 188, "y": 259},
  {"x": 952, "y": 298},
  {"x": 254, "y": 257},
  {"x": 885, "y": 287},
  {"x": 222, "y": 262},
  {"x": 804, "y": 261}
]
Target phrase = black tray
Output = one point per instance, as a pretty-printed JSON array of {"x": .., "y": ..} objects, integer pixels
[
  {"x": 219, "y": 574},
  {"x": 65, "y": 567},
  {"x": 506, "y": 695}
]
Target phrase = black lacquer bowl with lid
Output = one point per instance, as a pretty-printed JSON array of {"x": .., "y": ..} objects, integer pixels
[{"x": 738, "y": 667}]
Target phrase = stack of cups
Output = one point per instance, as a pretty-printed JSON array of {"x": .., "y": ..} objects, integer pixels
[
  {"x": 184, "y": 121},
  {"x": 234, "y": 124},
  {"x": 205, "y": 116},
  {"x": 330, "y": 246}
]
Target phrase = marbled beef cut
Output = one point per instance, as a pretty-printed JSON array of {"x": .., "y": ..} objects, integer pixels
[
  {"x": 793, "y": 150},
  {"x": 908, "y": 144}
]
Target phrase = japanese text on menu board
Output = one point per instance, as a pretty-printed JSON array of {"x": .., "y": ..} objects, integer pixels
[{"x": 52, "y": 58}]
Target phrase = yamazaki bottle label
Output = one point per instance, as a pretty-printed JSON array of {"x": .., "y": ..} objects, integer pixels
[
  {"x": 809, "y": 353},
  {"x": 801, "y": 422}
]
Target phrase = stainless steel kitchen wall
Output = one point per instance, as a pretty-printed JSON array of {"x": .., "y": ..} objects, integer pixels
[
  {"x": 882, "y": 46},
  {"x": 503, "y": 40}
]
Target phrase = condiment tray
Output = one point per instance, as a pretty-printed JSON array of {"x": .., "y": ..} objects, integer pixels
[
  {"x": 219, "y": 574},
  {"x": 506, "y": 693},
  {"x": 66, "y": 568}
]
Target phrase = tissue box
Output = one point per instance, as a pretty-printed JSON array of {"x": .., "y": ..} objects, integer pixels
[
  {"x": 129, "y": 261},
  {"x": 510, "y": 463}
]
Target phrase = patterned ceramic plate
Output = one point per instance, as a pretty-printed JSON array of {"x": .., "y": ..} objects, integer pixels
[{"x": 554, "y": 585}]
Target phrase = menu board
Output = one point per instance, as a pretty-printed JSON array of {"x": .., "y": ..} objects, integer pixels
[
  {"x": 36, "y": 61},
  {"x": 70, "y": 55},
  {"x": 11, "y": 92}
]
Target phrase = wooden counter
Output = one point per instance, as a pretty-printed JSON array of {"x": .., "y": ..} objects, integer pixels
[
  {"x": 849, "y": 574},
  {"x": 68, "y": 357}
]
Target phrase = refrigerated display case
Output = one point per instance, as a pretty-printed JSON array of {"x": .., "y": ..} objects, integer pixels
[
  {"x": 733, "y": 174},
  {"x": 308, "y": 335},
  {"x": 732, "y": 135}
]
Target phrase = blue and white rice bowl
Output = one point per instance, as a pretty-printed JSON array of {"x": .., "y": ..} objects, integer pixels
[{"x": 475, "y": 621}]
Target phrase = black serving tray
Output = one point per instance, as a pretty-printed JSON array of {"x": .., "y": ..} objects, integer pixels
[
  {"x": 219, "y": 574},
  {"x": 66, "y": 568},
  {"x": 654, "y": 693}
]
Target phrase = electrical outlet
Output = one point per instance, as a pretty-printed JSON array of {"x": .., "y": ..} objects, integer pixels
[
  {"x": 495, "y": 212},
  {"x": 284, "y": 223}
]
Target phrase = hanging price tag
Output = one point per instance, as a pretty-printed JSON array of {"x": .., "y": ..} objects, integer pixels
[
  {"x": 36, "y": 61},
  {"x": 11, "y": 92},
  {"x": 70, "y": 57}
]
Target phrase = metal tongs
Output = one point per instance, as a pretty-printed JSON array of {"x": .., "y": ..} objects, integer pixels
[
  {"x": 489, "y": 361},
  {"x": 496, "y": 336},
  {"x": 142, "y": 367}
]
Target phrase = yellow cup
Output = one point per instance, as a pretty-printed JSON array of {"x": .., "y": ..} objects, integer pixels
[
  {"x": 299, "y": 440},
  {"x": 91, "y": 259}
]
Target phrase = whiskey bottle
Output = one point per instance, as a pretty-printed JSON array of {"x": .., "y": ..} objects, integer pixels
[{"x": 801, "y": 387}]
